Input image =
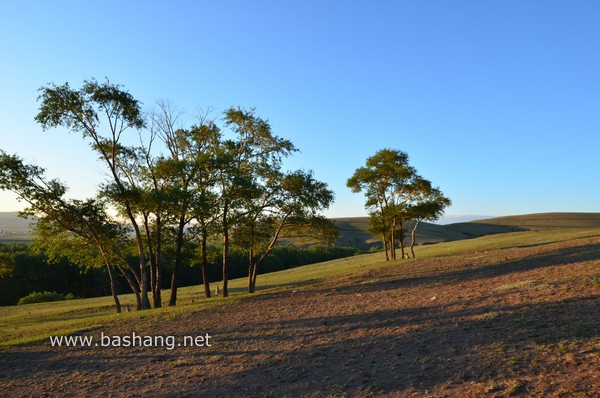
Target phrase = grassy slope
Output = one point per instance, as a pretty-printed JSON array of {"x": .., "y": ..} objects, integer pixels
[
  {"x": 353, "y": 230},
  {"x": 540, "y": 221},
  {"x": 504, "y": 315},
  {"x": 35, "y": 322}
]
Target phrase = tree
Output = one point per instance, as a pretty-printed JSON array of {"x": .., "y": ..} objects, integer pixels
[
  {"x": 288, "y": 207},
  {"x": 80, "y": 248},
  {"x": 430, "y": 206},
  {"x": 176, "y": 189},
  {"x": 189, "y": 175},
  {"x": 80, "y": 111},
  {"x": 85, "y": 219},
  {"x": 387, "y": 182},
  {"x": 395, "y": 195},
  {"x": 243, "y": 167}
]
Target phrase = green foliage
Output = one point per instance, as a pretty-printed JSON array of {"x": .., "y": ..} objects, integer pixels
[
  {"x": 79, "y": 110},
  {"x": 23, "y": 271},
  {"x": 43, "y": 297}
]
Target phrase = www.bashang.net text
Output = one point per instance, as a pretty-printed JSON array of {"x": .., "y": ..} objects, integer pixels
[{"x": 132, "y": 340}]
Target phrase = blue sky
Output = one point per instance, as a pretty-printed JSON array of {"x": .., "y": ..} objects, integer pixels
[{"x": 495, "y": 102}]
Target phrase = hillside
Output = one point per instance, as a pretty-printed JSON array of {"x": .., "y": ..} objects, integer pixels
[
  {"x": 510, "y": 315},
  {"x": 10, "y": 221},
  {"x": 353, "y": 230},
  {"x": 543, "y": 221},
  {"x": 14, "y": 229},
  {"x": 353, "y": 233}
]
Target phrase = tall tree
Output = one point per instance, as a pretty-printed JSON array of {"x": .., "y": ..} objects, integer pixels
[
  {"x": 81, "y": 111},
  {"x": 189, "y": 172},
  {"x": 244, "y": 166}
]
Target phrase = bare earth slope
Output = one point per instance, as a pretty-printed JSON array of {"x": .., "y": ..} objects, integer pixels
[{"x": 517, "y": 321}]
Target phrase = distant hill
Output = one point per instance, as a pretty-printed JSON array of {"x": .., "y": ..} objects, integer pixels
[
  {"x": 14, "y": 229},
  {"x": 353, "y": 233},
  {"x": 539, "y": 221},
  {"x": 353, "y": 230},
  {"x": 11, "y": 222}
]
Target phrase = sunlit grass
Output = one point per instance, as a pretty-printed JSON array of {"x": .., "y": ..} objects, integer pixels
[{"x": 36, "y": 322}]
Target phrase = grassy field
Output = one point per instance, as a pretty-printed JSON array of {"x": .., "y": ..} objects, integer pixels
[
  {"x": 353, "y": 229},
  {"x": 503, "y": 315},
  {"x": 35, "y": 322}
]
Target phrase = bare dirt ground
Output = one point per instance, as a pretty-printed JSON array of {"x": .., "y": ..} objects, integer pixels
[{"x": 522, "y": 321}]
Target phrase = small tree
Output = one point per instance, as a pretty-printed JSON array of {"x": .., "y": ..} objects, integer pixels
[
  {"x": 86, "y": 220},
  {"x": 430, "y": 206},
  {"x": 387, "y": 181},
  {"x": 289, "y": 207},
  {"x": 395, "y": 195}
]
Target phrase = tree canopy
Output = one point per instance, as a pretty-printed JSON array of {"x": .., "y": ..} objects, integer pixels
[{"x": 395, "y": 196}]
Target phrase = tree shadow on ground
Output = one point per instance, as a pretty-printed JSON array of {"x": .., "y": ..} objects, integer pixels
[
  {"x": 503, "y": 267},
  {"x": 365, "y": 337}
]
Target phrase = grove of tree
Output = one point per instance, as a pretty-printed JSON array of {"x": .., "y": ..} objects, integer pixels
[
  {"x": 397, "y": 198},
  {"x": 171, "y": 191}
]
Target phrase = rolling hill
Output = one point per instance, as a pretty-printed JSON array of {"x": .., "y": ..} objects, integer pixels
[
  {"x": 14, "y": 229},
  {"x": 353, "y": 230},
  {"x": 11, "y": 222},
  {"x": 543, "y": 221}
]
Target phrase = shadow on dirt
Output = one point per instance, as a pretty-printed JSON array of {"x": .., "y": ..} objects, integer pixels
[{"x": 358, "y": 340}]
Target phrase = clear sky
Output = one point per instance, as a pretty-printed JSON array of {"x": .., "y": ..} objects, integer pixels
[{"x": 495, "y": 102}]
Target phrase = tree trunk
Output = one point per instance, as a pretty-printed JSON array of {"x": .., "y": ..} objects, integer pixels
[
  {"x": 384, "y": 241},
  {"x": 412, "y": 240},
  {"x": 385, "y": 248},
  {"x": 177, "y": 261},
  {"x": 154, "y": 258},
  {"x": 253, "y": 269},
  {"x": 254, "y": 274},
  {"x": 225, "y": 248},
  {"x": 393, "y": 240},
  {"x": 250, "y": 270},
  {"x": 135, "y": 283},
  {"x": 158, "y": 262},
  {"x": 113, "y": 289},
  {"x": 401, "y": 238},
  {"x": 205, "y": 264},
  {"x": 135, "y": 287},
  {"x": 145, "y": 304}
]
